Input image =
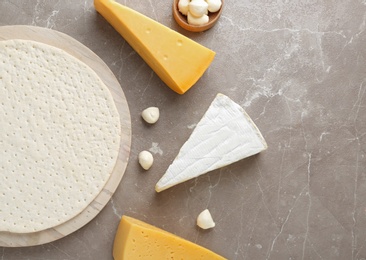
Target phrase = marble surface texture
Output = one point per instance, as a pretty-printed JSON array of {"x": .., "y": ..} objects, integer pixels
[{"x": 299, "y": 70}]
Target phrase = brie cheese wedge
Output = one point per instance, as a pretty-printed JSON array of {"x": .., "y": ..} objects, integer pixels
[{"x": 224, "y": 135}]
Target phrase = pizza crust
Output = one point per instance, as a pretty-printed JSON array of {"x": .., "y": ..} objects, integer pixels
[{"x": 60, "y": 136}]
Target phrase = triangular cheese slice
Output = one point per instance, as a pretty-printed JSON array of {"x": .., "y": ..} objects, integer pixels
[
  {"x": 136, "y": 239},
  {"x": 176, "y": 59},
  {"x": 224, "y": 135}
]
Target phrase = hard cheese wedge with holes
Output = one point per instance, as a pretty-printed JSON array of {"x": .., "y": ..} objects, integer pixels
[
  {"x": 176, "y": 59},
  {"x": 138, "y": 240},
  {"x": 224, "y": 135}
]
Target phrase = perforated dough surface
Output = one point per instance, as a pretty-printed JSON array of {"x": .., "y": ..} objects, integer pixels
[{"x": 59, "y": 137}]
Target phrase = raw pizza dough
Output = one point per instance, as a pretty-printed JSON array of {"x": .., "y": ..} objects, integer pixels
[{"x": 59, "y": 138}]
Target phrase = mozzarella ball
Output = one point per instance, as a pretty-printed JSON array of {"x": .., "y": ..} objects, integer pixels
[
  {"x": 146, "y": 159},
  {"x": 151, "y": 115},
  {"x": 183, "y": 6},
  {"x": 214, "y": 5},
  {"x": 198, "y": 8},
  {"x": 197, "y": 20},
  {"x": 204, "y": 220}
]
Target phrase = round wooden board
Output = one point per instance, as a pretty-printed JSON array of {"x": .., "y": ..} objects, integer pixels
[{"x": 85, "y": 55}]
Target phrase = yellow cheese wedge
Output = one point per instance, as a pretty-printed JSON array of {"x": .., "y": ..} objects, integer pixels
[
  {"x": 176, "y": 59},
  {"x": 138, "y": 240}
]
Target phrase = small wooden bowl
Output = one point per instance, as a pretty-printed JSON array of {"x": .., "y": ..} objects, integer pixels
[{"x": 182, "y": 19}]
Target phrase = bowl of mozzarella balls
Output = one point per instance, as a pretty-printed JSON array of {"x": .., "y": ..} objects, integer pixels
[{"x": 197, "y": 15}]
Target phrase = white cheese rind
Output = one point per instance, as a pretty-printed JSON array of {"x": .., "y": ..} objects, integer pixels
[{"x": 225, "y": 134}]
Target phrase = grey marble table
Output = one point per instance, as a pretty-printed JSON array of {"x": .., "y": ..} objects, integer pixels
[{"x": 299, "y": 70}]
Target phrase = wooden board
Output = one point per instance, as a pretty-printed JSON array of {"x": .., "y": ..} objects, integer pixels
[{"x": 85, "y": 55}]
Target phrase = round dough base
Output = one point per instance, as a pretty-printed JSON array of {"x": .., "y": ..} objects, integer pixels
[
  {"x": 60, "y": 137},
  {"x": 85, "y": 55}
]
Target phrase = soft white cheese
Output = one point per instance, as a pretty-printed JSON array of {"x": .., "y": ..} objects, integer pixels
[
  {"x": 197, "y": 20},
  {"x": 183, "y": 6},
  {"x": 204, "y": 220},
  {"x": 198, "y": 8},
  {"x": 214, "y": 5},
  {"x": 224, "y": 135},
  {"x": 151, "y": 115},
  {"x": 146, "y": 159}
]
